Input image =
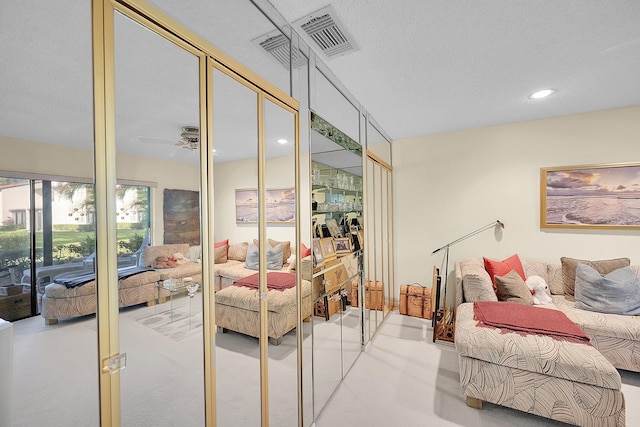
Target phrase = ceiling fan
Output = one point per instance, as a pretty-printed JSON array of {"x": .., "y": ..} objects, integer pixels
[{"x": 189, "y": 138}]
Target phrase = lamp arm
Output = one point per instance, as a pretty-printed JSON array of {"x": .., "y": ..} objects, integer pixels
[{"x": 466, "y": 236}]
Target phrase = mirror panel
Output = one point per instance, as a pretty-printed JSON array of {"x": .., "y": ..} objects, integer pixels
[
  {"x": 336, "y": 179},
  {"x": 334, "y": 107},
  {"x": 46, "y": 141},
  {"x": 235, "y": 209},
  {"x": 157, "y": 139},
  {"x": 282, "y": 316},
  {"x": 241, "y": 30},
  {"x": 377, "y": 144}
]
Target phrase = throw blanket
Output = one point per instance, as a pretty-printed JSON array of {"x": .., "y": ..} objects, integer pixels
[
  {"x": 526, "y": 319},
  {"x": 275, "y": 280},
  {"x": 73, "y": 280}
]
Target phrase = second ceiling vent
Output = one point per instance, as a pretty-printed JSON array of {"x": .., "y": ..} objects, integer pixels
[{"x": 327, "y": 31}]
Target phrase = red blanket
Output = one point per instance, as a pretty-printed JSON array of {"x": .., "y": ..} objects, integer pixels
[
  {"x": 275, "y": 280},
  {"x": 526, "y": 319}
]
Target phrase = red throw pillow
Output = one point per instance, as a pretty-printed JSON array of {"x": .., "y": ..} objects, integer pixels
[
  {"x": 221, "y": 244},
  {"x": 304, "y": 251},
  {"x": 500, "y": 268}
]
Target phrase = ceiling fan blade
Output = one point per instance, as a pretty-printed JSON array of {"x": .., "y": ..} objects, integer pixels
[{"x": 153, "y": 140}]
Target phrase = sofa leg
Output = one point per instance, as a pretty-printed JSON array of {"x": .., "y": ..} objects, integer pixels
[
  {"x": 151, "y": 303},
  {"x": 221, "y": 330},
  {"x": 473, "y": 402},
  {"x": 307, "y": 319},
  {"x": 50, "y": 321},
  {"x": 275, "y": 341}
]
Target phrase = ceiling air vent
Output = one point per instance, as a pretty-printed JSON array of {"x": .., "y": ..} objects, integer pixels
[
  {"x": 326, "y": 30},
  {"x": 277, "y": 44}
]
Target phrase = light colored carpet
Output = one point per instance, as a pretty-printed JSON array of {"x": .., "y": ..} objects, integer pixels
[{"x": 401, "y": 378}]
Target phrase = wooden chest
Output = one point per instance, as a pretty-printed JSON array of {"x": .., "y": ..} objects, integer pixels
[
  {"x": 15, "y": 307},
  {"x": 373, "y": 295},
  {"x": 415, "y": 301}
]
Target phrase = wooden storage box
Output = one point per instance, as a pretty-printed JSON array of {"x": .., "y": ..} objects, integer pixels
[
  {"x": 332, "y": 304},
  {"x": 373, "y": 293},
  {"x": 10, "y": 290},
  {"x": 15, "y": 307},
  {"x": 415, "y": 301},
  {"x": 334, "y": 277}
]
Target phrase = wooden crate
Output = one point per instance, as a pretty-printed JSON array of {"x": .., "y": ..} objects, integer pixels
[{"x": 15, "y": 307}]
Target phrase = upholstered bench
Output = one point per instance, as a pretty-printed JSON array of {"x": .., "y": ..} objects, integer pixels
[
  {"x": 237, "y": 309},
  {"x": 562, "y": 380}
]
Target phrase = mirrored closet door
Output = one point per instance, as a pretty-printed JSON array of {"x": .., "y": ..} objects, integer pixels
[
  {"x": 47, "y": 202},
  {"x": 157, "y": 200}
]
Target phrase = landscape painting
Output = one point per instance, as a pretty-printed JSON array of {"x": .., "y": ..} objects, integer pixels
[
  {"x": 599, "y": 196},
  {"x": 280, "y": 206}
]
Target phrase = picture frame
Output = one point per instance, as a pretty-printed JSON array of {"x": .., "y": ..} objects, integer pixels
[
  {"x": 327, "y": 248},
  {"x": 333, "y": 227},
  {"x": 342, "y": 245},
  {"x": 281, "y": 208},
  {"x": 318, "y": 258},
  {"x": 361, "y": 238},
  {"x": 603, "y": 196}
]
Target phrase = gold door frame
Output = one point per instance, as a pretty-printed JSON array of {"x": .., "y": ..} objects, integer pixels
[{"x": 105, "y": 172}]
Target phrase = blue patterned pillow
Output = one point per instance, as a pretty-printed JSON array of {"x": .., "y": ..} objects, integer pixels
[
  {"x": 616, "y": 293},
  {"x": 274, "y": 257}
]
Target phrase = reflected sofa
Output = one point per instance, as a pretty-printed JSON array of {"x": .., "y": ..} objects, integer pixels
[
  {"x": 569, "y": 382},
  {"x": 60, "y": 302}
]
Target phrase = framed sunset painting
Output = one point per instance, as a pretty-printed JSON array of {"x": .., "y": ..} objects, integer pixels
[{"x": 592, "y": 196}]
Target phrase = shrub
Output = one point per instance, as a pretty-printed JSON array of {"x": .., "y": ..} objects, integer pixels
[{"x": 132, "y": 244}]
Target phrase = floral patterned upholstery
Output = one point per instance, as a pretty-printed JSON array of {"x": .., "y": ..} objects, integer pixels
[{"x": 565, "y": 381}]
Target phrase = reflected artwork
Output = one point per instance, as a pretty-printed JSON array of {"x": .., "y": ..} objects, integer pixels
[{"x": 280, "y": 205}]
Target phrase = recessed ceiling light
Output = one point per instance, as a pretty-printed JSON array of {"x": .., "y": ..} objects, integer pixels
[
  {"x": 542, "y": 94},
  {"x": 282, "y": 141}
]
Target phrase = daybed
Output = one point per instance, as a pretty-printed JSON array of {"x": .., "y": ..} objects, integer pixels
[
  {"x": 566, "y": 381},
  {"x": 61, "y": 302},
  {"x": 237, "y": 307}
]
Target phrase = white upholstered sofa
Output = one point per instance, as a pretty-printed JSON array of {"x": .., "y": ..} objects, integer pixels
[
  {"x": 62, "y": 302},
  {"x": 569, "y": 382}
]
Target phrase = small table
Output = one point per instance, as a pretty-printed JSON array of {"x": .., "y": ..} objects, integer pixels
[{"x": 176, "y": 287}]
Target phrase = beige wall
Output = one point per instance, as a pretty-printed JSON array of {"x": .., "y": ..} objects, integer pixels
[
  {"x": 32, "y": 157},
  {"x": 448, "y": 185},
  {"x": 243, "y": 174}
]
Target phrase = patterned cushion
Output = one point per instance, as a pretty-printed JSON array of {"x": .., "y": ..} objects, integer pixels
[
  {"x": 477, "y": 283},
  {"x": 575, "y": 362},
  {"x": 238, "y": 251}
]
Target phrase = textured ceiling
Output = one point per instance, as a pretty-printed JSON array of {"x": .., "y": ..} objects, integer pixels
[
  {"x": 422, "y": 67},
  {"x": 426, "y": 66}
]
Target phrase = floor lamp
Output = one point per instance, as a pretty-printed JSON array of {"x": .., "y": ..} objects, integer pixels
[{"x": 444, "y": 330}]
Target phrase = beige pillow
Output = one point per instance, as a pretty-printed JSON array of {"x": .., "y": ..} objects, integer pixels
[
  {"x": 512, "y": 288},
  {"x": 220, "y": 254},
  {"x": 603, "y": 267},
  {"x": 238, "y": 251}
]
